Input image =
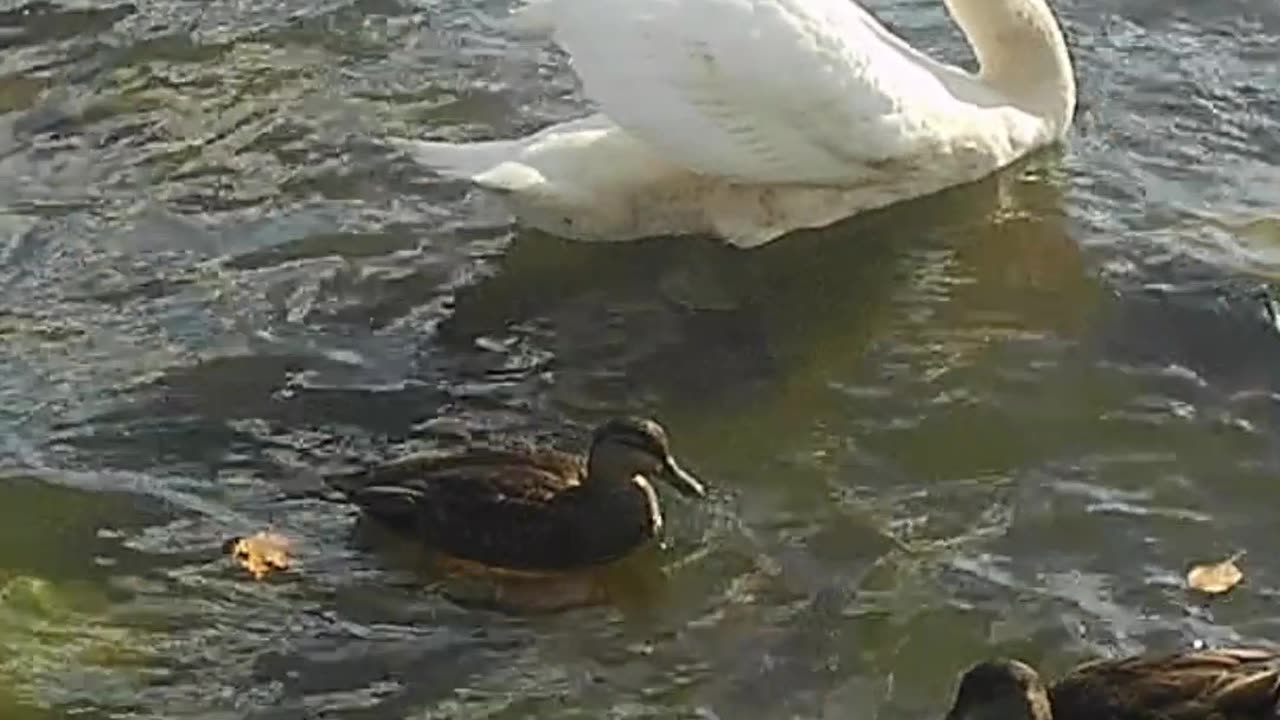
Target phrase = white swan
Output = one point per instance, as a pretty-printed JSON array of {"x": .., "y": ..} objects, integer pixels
[{"x": 748, "y": 119}]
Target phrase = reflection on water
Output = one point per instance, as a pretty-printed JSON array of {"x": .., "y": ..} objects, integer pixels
[
  {"x": 998, "y": 420},
  {"x": 631, "y": 585}
]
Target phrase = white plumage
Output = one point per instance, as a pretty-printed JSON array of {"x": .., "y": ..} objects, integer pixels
[{"x": 751, "y": 118}]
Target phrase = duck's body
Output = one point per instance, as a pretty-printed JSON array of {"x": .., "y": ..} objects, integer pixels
[
  {"x": 747, "y": 119},
  {"x": 536, "y": 510},
  {"x": 1225, "y": 684}
]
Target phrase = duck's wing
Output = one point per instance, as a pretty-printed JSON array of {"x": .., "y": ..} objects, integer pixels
[
  {"x": 767, "y": 91},
  {"x": 477, "y": 478},
  {"x": 530, "y": 474},
  {"x": 1226, "y": 684}
]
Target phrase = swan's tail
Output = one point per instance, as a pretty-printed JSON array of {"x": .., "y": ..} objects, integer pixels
[
  {"x": 492, "y": 163},
  {"x": 514, "y": 165},
  {"x": 461, "y": 160}
]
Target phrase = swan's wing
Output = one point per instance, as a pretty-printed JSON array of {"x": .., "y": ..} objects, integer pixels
[{"x": 758, "y": 90}]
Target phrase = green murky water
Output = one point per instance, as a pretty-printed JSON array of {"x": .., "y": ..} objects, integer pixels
[{"x": 999, "y": 420}]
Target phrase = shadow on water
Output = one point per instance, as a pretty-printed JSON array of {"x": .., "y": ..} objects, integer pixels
[
  {"x": 63, "y": 554},
  {"x": 680, "y": 322},
  {"x": 632, "y": 585}
]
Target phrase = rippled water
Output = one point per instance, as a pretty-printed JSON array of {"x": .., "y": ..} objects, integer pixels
[{"x": 999, "y": 420}]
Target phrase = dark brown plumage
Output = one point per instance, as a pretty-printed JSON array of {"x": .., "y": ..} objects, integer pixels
[
  {"x": 1227, "y": 684},
  {"x": 529, "y": 509}
]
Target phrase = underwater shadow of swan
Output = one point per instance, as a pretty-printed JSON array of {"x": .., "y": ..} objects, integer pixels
[{"x": 679, "y": 322}]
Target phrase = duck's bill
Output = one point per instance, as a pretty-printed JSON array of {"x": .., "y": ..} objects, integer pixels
[{"x": 681, "y": 479}]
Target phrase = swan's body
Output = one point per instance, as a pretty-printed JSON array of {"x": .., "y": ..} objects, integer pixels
[{"x": 751, "y": 118}]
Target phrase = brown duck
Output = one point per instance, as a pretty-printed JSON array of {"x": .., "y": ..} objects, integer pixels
[
  {"x": 529, "y": 509},
  {"x": 1227, "y": 684}
]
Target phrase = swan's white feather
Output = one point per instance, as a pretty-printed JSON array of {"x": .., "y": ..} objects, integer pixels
[{"x": 772, "y": 91}]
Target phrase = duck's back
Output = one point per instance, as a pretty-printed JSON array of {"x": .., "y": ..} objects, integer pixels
[{"x": 1228, "y": 684}]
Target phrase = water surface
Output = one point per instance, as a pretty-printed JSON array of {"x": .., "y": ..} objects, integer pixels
[{"x": 999, "y": 420}]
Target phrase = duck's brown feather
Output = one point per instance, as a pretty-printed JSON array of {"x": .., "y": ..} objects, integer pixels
[
  {"x": 533, "y": 473},
  {"x": 1227, "y": 684},
  {"x": 514, "y": 509}
]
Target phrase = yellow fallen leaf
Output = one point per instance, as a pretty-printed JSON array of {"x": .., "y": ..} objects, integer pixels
[
  {"x": 260, "y": 553},
  {"x": 1216, "y": 578}
]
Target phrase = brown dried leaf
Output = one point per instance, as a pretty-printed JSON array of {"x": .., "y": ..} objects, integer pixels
[
  {"x": 1216, "y": 578},
  {"x": 260, "y": 553}
]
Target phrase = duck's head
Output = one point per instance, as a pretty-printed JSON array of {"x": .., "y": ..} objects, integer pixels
[
  {"x": 625, "y": 447},
  {"x": 1001, "y": 690}
]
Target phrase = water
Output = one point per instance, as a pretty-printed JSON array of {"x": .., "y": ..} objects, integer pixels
[{"x": 1000, "y": 420}]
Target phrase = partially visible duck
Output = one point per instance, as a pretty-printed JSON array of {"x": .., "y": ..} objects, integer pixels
[
  {"x": 530, "y": 510},
  {"x": 1226, "y": 684}
]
